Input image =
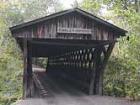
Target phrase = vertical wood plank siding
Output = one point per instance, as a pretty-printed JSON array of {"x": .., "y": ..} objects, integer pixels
[{"x": 48, "y": 29}]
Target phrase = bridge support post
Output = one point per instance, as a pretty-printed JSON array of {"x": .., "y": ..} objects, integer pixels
[
  {"x": 94, "y": 72},
  {"x": 100, "y": 58},
  {"x": 102, "y": 62},
  {"x": 28, "y": 86}
]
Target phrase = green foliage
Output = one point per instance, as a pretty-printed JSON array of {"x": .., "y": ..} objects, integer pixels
[
  {"x": 122, "y": 75},
  {"x": 127, "y": 58},
  {"x": 10, "y": 72},
  {"x": 122, "y": 78},
  {"x": 42, "y": 62},
  {"x": 92, "y": 6},
  {"x": 10, "y": 58},
  {"x": 13, "y": 12}
]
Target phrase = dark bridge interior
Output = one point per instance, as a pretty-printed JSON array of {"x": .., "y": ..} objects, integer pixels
[{"x": 79, "y": 62}]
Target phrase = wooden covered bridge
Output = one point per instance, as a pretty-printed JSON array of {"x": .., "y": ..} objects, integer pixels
[{"x": 76, "y": 43}]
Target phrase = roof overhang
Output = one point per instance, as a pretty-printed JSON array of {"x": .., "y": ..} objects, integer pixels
[{"x": 82, "y": 12}]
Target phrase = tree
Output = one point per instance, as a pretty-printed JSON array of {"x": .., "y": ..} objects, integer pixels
[
  {"x": 38, "y": 8},
  {"x": 14, "y": 12},
  {"x": 75, "y": 4},
  {"x": 122, "y": 74},
  {"x": 92, "y": 6}
]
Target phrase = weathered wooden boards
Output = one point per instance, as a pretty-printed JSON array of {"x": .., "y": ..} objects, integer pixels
[
  {"x": 28, "y": 84},
  {"x": 70, "y": 26}
]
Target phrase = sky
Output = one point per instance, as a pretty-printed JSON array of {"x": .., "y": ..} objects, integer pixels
[{"x": 67, "y": 3}]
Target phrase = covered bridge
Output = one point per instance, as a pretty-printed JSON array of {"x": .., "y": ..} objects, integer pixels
[{"x": 76, "y": 43}]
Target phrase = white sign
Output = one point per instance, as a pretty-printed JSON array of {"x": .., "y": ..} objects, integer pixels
[{"x": 74, "y": 30}]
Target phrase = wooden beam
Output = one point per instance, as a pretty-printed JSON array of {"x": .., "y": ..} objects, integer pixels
[
  {"x": 92, "y": 78},
  {"x": 81, "y": 45},
  {"x": 29, "y": 71},
  {"x": 101, "y": 68},
  {"x": 97, "y": 71},
  {"x": 28, "y": 86},
  {"x": 25, "y": 68}
]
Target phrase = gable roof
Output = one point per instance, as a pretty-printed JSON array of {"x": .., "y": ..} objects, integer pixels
[{"x": 87, "y": 14}]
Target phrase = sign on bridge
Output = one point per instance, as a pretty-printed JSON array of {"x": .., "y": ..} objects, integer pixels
[{"x": 73, "y": 30}]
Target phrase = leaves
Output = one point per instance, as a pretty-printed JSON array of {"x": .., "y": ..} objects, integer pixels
[
  {"x": 13, "y": 12},
  {"x": 122, "y": 75}
]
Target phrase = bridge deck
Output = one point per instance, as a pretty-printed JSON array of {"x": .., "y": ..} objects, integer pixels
[{"x": 59, "y": 92}]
